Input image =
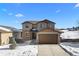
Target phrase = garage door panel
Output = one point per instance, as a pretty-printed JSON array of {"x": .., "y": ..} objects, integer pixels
[{"x": 48, "y": 38}]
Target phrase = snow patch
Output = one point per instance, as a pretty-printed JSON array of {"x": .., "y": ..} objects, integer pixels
[
  {"x": 72, "y": 48},
  {"x": 27, "y": 50}
]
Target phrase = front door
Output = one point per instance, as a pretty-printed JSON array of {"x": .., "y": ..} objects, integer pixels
[{"x": 33, "y": 35}]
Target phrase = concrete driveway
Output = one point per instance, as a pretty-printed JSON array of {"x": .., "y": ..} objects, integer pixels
[{"x": 51, "y": 50}]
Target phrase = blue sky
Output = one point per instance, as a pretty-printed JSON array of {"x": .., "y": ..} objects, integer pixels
[{"x": 64, "y": 15}]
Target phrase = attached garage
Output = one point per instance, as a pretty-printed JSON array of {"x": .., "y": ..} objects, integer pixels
[{"x": 48, "y": 37}]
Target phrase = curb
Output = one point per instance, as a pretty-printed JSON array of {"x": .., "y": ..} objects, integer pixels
[{"x": 66, "y": 51}]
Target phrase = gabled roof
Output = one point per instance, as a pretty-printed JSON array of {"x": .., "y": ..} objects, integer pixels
[
  {"x": 9, "y": 29},
  {"x": 35, "y": 22},
  {"x": 32, "y": 22},
  {"x": 47, "y": 21}
]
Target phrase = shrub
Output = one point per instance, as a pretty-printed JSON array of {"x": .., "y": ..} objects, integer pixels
[
  {"x": 12, "y": 42},
  {"x": 19, "y": 40}
]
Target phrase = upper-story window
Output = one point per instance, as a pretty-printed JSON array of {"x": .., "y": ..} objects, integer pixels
[{"x": 27, "y": 26}]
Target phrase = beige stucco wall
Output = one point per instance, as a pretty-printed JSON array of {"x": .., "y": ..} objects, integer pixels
[{"x": 5, "y": 38}]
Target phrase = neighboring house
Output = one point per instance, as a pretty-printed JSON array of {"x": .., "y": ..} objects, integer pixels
[
  {"x": 7, "y": 32},
  {"x": 43, "y": 31}
]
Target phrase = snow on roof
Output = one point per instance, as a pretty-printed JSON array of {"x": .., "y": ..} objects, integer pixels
[
  {"x": 9, "y": 29},
  {"x": 5, "y": 29}
]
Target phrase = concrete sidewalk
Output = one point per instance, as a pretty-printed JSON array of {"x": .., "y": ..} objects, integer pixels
[{"x": 51, "y": 50}]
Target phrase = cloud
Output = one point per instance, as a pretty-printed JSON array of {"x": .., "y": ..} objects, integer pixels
[
  {"x": 57, "y": 11},
  {"x": 19, "y": 15},
  {"x": 77, "y": 5}
]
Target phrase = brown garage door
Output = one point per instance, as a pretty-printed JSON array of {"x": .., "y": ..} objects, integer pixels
[{"x": 48, "y": 38}]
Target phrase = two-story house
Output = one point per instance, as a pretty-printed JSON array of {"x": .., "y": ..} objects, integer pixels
[{"x": 35, "y": 30}]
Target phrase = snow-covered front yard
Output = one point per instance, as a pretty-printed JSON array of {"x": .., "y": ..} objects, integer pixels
[
  {"x": 24, "y": 50},
  {"x": 71, "y": 47}
]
